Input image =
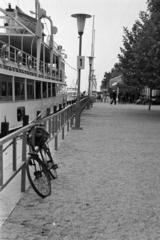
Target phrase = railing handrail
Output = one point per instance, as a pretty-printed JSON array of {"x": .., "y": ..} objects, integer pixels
[
  {"x": 55, "y": 123},
  {"x": 15, "y": 134},
  {"x": 24, "y": 129}
]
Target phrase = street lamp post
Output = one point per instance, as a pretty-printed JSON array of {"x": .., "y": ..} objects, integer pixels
[{"x": 80, "y": 24}]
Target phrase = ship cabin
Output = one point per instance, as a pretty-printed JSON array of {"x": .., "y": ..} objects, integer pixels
[{"x": 32, "y": 65}]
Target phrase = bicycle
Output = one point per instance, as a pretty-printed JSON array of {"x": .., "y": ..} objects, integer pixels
[{"x": 40, "y": 166}]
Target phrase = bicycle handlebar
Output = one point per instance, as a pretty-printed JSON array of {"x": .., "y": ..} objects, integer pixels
[{"x": 36, "y": 125}]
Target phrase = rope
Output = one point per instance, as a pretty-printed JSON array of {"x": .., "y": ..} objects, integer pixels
[{"x": 71, "y": 66}]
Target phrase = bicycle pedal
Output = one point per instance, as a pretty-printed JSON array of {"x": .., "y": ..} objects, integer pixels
[
  {"x": 52, "y": 165},
  {"x": 55, "y": 166},
  {"x": 38, "y": 174}
]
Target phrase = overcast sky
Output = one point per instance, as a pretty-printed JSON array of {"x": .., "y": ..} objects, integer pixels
[{"x": 110, "y": 18}]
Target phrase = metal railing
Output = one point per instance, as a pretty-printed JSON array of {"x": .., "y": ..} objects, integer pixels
[
  {"x": 16, "y": 142},
  {"x": 54, "y": 124}
]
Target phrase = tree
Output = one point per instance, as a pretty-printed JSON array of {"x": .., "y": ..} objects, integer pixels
[
  {"x": 140, "y": 56},
  {"x": 153, "y": 6},
  {"x": 131, "y": 62},
  {"x": 105, "y": 81}
]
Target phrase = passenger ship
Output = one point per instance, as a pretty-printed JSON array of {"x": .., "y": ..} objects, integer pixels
[{"x": 32, "y": 72}]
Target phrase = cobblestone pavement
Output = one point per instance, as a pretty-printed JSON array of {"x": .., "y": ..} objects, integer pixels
[{"x": 108, "y": 186}]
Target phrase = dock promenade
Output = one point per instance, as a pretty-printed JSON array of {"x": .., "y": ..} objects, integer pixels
[{"x": 108, "y": 185}]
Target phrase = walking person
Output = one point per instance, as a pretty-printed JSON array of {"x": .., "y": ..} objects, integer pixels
[{"x": 114, "y": 97}]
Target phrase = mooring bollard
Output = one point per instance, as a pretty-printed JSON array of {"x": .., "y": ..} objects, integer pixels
[
  {"x": 55, "y": 109},
  {"x": 48, "y": 111},
  {"x": 4, "y": 128},
  {"x": 25, "y": 120}
]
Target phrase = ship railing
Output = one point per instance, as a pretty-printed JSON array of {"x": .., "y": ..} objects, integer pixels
[
  {"x": 14, "y": 148},
  {"x": 17, "y": 60}
]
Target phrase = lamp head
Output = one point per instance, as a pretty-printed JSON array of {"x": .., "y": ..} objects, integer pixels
[
  {"x": 81, "y": 21},
  {"x": 90, "y": 59}
]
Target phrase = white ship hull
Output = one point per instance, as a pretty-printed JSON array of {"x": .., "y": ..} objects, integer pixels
[{"x": 8, "y": 111}]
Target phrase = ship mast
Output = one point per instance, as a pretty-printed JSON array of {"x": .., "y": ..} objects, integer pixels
[
  {"x": 93, "y": 38},
  {"x": 37, "y": 7},
  {"x": 93, "y": 79},
  {"x": 38, "y": 32}
]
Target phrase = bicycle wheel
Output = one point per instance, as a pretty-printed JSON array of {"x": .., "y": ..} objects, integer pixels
[
  {"x": 47, "y": 157},
  {"x": 38, "y": 176}
]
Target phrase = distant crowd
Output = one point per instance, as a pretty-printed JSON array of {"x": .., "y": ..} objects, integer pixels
[{"x": 114, "y": 98}]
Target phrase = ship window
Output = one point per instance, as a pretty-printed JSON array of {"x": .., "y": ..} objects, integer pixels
[
  {"x": 57, "y": 62},
  {"x": 5, "y": 87},
  {"x": 19, "y": 88},
  {"x": 58, "y": 88},
  {"x": 30, "y": 89},
  {"x": 9, "y": 91},
  {"x": 44, "y": 89},
  {"x": 20, "y": 113},
  {"x": 49, "y": 89},
  {"x": 38, "y": 89},
  {"x": 53, "y": 89}
]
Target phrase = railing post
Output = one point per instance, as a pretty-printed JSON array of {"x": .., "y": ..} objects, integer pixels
[
  {"x": 24, "y": 153},
  {"x": 63, "y": 119},
  {"x": 1, "y": 165},
  {"x": 68, "y": 126},
  {"x": 72, "y": 121},
  {"x": 59, "y": 121},
  {"x": 67, "y": 122},
  {"x": 63, "y": 132},
  {"x": 56, "y": 131},
  {"x": 56, "y": 141},
  {"x": 53, "y": 126},
  {"x": 14, "y": 150},
  {"x": 61, "y": 116},
  {"x": 67, "y": 118},
  {"x": 62, "y": 124},
  {"x": 49, "y": 127},
  {"x": 66, "y": 115}
]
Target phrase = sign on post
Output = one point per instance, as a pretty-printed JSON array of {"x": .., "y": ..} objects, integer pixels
[{"x": 80, "y": 62}]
